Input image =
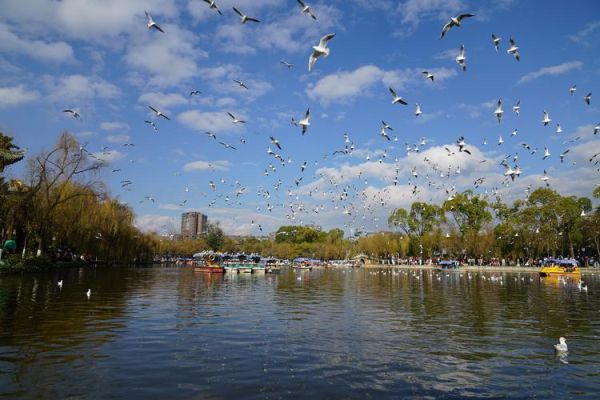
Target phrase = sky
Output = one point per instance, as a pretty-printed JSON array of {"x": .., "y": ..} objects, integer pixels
[{"x": 101, "y": 59}]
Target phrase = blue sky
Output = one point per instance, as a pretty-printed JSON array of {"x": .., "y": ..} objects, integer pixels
[{"x": 100, "y": 58}]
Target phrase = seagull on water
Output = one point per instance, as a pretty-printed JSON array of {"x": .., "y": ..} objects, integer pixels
[
  {"x": 305, "y": 122},
  {"x": 546, "y": 118},
  {"x": 213, "y": 5},
  {"x": 60, "y": 284},
  {"x": 454, "y": 21},
  {"x": 498, "y": 111},
  {"x": 320, "y": 50},
  {"x": 88, "y": 293},
  {"x": 396, "y": 98},
  {"x": 151, "y": 24},
  {"x": 496, "y": 41},
  {"x": 159, "y": 113},
  {"x": 235, "y": 120},
  {"x": 461, "y": 58},
  {"x": 561, "y": 347},
  {"x": 306, "y": 9},
  {"x": 244, "y": 17},
  {"x": 513, "y": 50}
]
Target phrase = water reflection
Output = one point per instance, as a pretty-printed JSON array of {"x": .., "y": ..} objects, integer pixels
[{"x": 176, "y": 333}]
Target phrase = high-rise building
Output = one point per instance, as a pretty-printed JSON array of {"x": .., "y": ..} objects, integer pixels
[{"x": 193, "y": 224}]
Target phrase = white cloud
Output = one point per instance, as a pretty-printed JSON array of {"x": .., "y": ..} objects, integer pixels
[
  {"x": 583, "y": 36},
  {"x": 413, "y": 11},
  {"x": 220, "y": 79},
  {"x": 162, "y": 100},
  {"x": 551, "y": 71},
  {"x": 346, "y": 85},
  {"x": 79, "y": 87},
  {"x": 45, "y": 51},
  {"x": 160, "y": 224},
  {"x": 170, "y": 58},
  {"x": 113, "y": 126},
  {"x": 210, "y": 121},
  {"x": 118, "y": 138},
  {"x": 16, "y": 95},
  {"x": 218, "y": 165}
]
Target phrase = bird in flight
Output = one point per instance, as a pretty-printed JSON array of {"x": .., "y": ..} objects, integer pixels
[
  {"x": 195, "y": 93},
  {"x": 151, "y": 24},
  {"x": 428, "y": 75},
  {"x": 513, "y": 49},
  {"x": 496, "y": 41},
  {"x": 461, "y": 58},
  {"x": 159, "y": 113},
  {"x": 241, "y": 84},
  {"x": 305, "y": 122},
  {"x": 74, "y": 113},
  {"x": 235, "y": 120},
  {"x": 306, "y": 9},
  {"x": 396, "y": 98},
  {"x": 213, "y": 5},
  {"x": 287, "y": 64},
  {"x": 320, "y": 50},
  {"x": 454, "y": 21},
  {"x": 152, "y": 124},
  {"x": 243, "y": 17}
]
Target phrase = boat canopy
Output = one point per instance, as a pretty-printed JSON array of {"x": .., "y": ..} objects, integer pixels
[{"x": 561, "y": 261}]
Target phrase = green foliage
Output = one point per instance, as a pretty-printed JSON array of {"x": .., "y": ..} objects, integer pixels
[{"x": 214, "y": 237}]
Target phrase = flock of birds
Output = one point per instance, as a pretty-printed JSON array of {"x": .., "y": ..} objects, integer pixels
[{"x": 354, "y": 200}]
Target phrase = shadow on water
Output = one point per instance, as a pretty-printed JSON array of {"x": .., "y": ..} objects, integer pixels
[{"x": 176, "y": 333}]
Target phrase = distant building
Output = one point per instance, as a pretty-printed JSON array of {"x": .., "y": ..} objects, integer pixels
[{"x": 193, "y": 224}]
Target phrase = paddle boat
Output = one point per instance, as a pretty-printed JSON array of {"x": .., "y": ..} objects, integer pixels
[
  {"x": 208, "y": 262},
  {"x": 557, "y": 266},
  {"x": 447, "y": 265}
]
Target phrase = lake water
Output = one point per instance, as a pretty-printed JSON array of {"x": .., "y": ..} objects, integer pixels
[{"x": 172, "y": 333}]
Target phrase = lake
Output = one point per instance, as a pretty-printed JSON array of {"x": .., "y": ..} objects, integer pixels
[{"x": 172, "y": 333}]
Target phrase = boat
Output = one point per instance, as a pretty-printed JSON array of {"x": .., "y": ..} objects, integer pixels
[
  {"x": 306, "y": 263},
  {"x": 209, "y": 263},
  {"x": 444, "y": 265},
  {"x": 556, "y": 266}
]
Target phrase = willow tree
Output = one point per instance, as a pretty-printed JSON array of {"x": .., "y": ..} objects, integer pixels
[
  {"x": 420, "y": 221},
  {"x": 51, "y": 175},
  {"x": 470, "y": 213}
]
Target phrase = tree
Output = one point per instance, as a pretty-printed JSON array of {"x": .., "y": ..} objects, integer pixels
[
  {"x": 9, "y": 152},
  {"x": 469, "y": 212},
  {"x": 214, "y": 236}
]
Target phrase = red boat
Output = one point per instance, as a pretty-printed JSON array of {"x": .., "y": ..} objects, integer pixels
[
  {"x": 211, "y": 269},
  {"x": 209, "y": 264}
]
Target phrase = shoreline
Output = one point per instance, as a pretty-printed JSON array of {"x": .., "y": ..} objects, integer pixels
[{"x": 483, "y": 268}]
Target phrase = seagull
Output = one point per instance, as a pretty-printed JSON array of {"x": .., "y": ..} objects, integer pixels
[
  {"x": 385, "y": 126},
  {"x": 545, "y": 178},
  {"x": 159, "y": 113},
  {"x": 513, "y": 49},
  {"x": 597, "y": 128},
  {"x": 461, "y": 144},
  {"x": 60, "y": 283},
  {"x": 563, "y": 155},
  {"x": 562, "y": 346},
  {"x": 500, "y": 140},
  {"x": 152, "y": 124},
  {"x": 151, "y": 24},
  {"x": 244, "y": 17},
  {"x": 210, "y": 134},
  {"x": 496, "y": 41},
  {"x": 454, "y": 21},
  {"x": 305, "y": 122},
  {"x": 74, "y": 113},
  {"x": 275, "y": 142},
  {"x": 88, "y": 293},
  {"x": 212, "y": 4},
  {"x": 461, "y": 58},
  {"x": 384, "y": 133},
  {"x": 498, "y": 112},
  {"x": 195, "y": 93},
  {"x": 514, "y": 132},
  {"x": 418, "y": 110},
  {"x": 320, "y": 50},
  {"x": 287, "y": 64},
  {"x": 546, "y": 153},
  {"x": 546, "y": 118},
  {"x": 428, "y": 75},
  {"x": 306, "y": 9},
  {"x": 517, "y": 107},
  {"x": 235, "y": 120},
  {"x": 228, "y": 146},
  {"x": 397, "y": 99},
  {"x": 588, "y": 98},
  {"x": 558, "y": 128},
  {"x": 572, "y": 90},
  {"x": 241, "y": 84}
]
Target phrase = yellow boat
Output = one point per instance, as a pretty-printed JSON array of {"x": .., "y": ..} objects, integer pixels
[{"x": 554, "y": 267}]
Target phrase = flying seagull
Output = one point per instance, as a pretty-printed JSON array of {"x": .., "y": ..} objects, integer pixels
[
  {"x": 235, "y": 120},
  {"x": 305, "y": 122},
  {"x": 275, "y": 142},
  {"x": 588, "y": 98},
  {"x": 244, "y": 17},
  {"x": 517, "y": 107},
  {"x": 461, "y": 58},
  {"x": 546, "y": 118},
  {"x": 498, "y": 111},
  {"x": 320, "y": 50},
  {"x": 572, "y": 90},
  {"x": 212, "y": 4},
  {"x": 241, "y": 84},
  {"x": 306, "y": 9},
  {"x": 496, "y": 41},
  {"x": 454, "y": 21},
  {"x": 513, "y": 49},
  {"x": 195, "y": 93},
  {"x": 151, "y": 24},
  {"x": 597, "y": 128},
  {"x": 159, "y": 113},
  {"x": 397, "y": 99},
  {"x": 418, "y": 110},
  {"x": 428, "y": 75},
  {"x": 74, "y": 113},
  {"x": 152, "y": 124},
  {"x": 228, "y": 146},
  {"x": 546, "y": 153},
  {"x": 287, "y": 64}
]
